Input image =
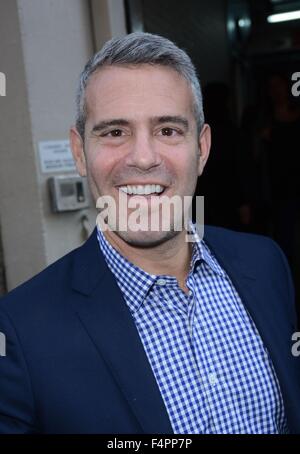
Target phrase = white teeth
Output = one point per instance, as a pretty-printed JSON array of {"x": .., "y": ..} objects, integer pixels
[
  {"x": 142, "y": 189},
  {"x": 148, "y": 189}
]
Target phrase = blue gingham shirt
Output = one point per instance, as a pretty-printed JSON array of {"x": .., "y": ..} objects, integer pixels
[{"x": 211, "y": 367}]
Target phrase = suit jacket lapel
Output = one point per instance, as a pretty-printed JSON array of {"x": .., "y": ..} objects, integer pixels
[{"x": 109, "y": 323}]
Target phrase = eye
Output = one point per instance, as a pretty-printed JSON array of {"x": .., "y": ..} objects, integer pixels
[
  {"x": 168, "y": 132},
  {"x": 113, "y": 133}
]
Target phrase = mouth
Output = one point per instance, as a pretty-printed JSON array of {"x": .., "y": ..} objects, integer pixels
[{"x": 143, "y": 190}]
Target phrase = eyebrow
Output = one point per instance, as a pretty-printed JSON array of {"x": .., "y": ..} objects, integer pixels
[
  {"x": 178, "y": 119},
  {"x": 106, "y": 123}
]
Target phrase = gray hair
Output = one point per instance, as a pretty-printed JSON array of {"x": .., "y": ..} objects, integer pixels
[{"x": 136, "y": 49}]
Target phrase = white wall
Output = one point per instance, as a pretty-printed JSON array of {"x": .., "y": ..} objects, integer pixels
[{"x": 43, "y": 47}]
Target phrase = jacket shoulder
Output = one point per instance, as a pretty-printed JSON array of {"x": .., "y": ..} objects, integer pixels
[
  {"x": 259, "y": 254},
  {"x": 42, "y": 287},
  {"x": 241, "y": 242},
  {"x": 235, "y": 236}
]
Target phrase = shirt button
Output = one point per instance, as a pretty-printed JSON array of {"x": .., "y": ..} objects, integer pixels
[
  {"x": 161, "y": 282},
  {"x": 212, "y": 379}
]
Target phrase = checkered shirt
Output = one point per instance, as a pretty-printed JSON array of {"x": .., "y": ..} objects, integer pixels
[{"x": 212, "y": 369}]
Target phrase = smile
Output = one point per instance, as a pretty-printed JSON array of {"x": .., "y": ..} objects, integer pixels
[{"x": 146, "y": 189}]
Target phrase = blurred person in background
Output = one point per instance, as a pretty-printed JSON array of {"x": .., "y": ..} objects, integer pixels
[{"x": 281, "y": 134}]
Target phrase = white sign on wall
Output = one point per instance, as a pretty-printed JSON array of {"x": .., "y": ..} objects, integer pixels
[
  {"x": 2, "y": 84},
  {"x": 56, "y": 156}
]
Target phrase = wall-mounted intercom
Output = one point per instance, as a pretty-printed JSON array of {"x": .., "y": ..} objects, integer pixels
[{"x": 68, "y": 193}]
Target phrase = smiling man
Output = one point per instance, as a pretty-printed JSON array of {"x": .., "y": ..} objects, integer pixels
[
  {"x": 139, "y": 330},
  {"x": 142, "y": 130}
]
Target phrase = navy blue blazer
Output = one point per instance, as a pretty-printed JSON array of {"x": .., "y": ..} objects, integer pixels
[{"x": 74, "y": 360}]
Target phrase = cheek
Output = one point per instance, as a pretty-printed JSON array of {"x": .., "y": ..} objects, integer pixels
[
  {"x": 185, "y": 165},
  {"x": 100, "y": 165}
]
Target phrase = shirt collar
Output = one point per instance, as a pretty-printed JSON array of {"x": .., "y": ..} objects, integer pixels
[
  {"x": 135, "y": 283},
  {"x": 202, "y": 252}
]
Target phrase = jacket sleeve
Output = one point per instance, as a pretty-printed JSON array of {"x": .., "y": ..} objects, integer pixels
[{"x": 16, "y": 397}]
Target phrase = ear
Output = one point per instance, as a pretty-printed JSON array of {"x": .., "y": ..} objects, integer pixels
[
  {"x": 204, "y": 147},
  {"x": 77, "y": 148}
]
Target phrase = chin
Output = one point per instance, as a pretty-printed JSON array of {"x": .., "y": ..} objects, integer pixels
[{"x": 144, "y": 239}]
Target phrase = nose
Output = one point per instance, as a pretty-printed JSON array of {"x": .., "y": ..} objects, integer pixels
[{"x": 143, "y": 153}]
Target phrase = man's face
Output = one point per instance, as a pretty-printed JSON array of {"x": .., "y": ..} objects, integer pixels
[{"x": 140, "y": 130}]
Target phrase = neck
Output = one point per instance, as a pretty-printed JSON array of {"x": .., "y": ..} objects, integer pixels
[{"x": 170, "y": 258}]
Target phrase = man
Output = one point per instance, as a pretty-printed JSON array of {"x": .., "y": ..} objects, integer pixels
[{"x": 142, "y": 331}]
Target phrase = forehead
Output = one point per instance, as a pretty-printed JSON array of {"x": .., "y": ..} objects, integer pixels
[{"x": 145, "y": 89}]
